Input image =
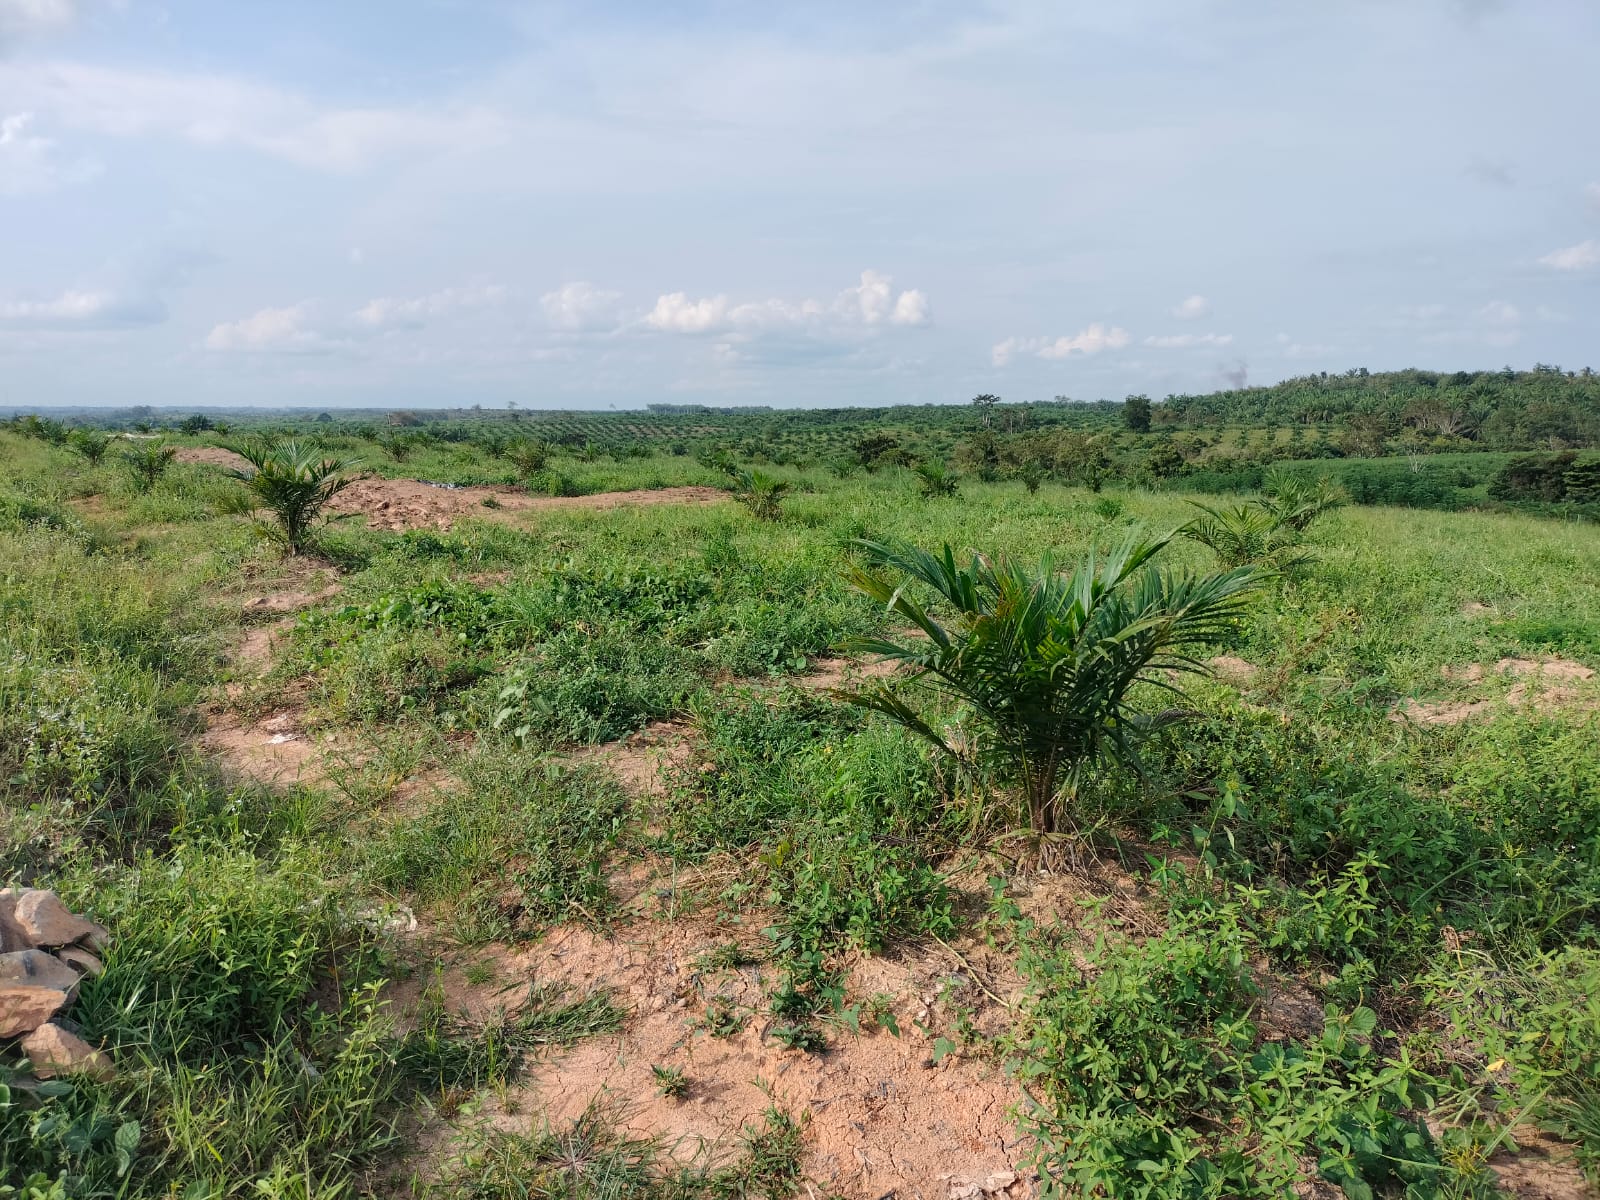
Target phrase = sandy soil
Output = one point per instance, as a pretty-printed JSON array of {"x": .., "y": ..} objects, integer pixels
[
  {"x": 879, "y": 1114},
  {"x": 1545, "y": 685},
  {"x": 1233, "y": 669},
  {"x": 642, "y": 762},
  {"x": 273, "y": 750}
]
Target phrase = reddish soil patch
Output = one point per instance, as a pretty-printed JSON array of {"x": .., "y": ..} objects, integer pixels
[
  {"x": 642, "y": 762},
  {"x": 1547, "y": 685},
  {"x": 400, "y": 504},
  {"x": 260, "y": 643},
  {"x": 878, "y": 1114},
  {"x": 213, "y": 456},
  {"x": 1440, "y": 712},
  {"x": 288, "y": 601},
  {"x": 829, "y": 673},
  {"x": 1549, "y": 668},
  {"x": 274, "y": 750},
  {"x": 1542, "y": 1169},
  {"x": 1234, "y": 670}
]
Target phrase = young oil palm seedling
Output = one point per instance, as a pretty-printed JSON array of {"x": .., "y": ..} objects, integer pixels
[
  {"x": 935, "y": 479},
  {"x": 90, "y": 443},
  {"x": 761, "y": 493},
  {"x": 294, "y": 481},
  {"x": 1046, "y": 659},
  {"x": 1297, "y": 501},
  {"x": 528, "y": 456},
  {"x": 1247, "y": 533},
  {"x": 148, "y": 462}
]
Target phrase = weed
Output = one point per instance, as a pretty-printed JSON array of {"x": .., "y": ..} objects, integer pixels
[
  {"x": 721, "y": 1018},
  {"x": 670, "y": 1081}
]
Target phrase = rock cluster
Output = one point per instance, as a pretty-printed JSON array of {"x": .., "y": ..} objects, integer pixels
[{"x": 45, "y": 951}]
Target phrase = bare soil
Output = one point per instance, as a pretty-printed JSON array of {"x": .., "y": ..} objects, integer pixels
[
  {"x": 213, "y": 456},
  {"x": 1233, "y": 669},
  {"x": 644, "y": 761},
  {"x": 879, "y": 1114},
  {"x": 273, "y": 750},
  {"x": 1546, "y": 685},
  {"x": 400, "y": 504}
]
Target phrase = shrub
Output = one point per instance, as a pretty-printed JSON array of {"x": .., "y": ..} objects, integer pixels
[
  {"x": 935, "y": 480},
  {"x": 528, "y": 456}
]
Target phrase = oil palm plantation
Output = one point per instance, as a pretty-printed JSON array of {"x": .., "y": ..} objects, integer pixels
[
  {"x": 1046, "y": 659},
  {"x": 294, "y": 481}
]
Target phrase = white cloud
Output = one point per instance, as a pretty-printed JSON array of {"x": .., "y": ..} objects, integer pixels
[
  {"x": 910, "y": 309},
  {"x": 870, "y": 304},
  {"x": 1422, "y": 312},
  {"x": 1584, "y": 256},
  {"x": 1500, "y": 312},
  {"x": 676, "y": 313},
  {"x": 82, "y": 309},
  {"x": 1091, "y": 340},
  {"x": 1192, "y": 308},
  {"x": 272, "y": 330},
  {"x": 34, "y": 16},
  {"x": 220, "y": 111},
  {"x": 29, "y": 162},
  {"x": 575, "y": 307},
  {"x": 1178, "y": 341},
  {"x": 391, "y": 312}
]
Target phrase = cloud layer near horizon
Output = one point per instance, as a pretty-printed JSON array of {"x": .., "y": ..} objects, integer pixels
[{"x": 588, "y": 205}]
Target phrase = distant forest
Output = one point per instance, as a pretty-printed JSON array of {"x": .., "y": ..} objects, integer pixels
[{"x": 1501, "y": 410}]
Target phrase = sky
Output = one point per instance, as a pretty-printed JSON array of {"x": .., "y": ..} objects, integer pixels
[{"x": 409, "y": 203}]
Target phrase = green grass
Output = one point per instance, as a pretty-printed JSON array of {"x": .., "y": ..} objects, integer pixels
[{"x": 1436, "y": 888}]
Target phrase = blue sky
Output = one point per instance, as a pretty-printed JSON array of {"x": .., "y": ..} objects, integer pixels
[{"x": 427, "y": 202}]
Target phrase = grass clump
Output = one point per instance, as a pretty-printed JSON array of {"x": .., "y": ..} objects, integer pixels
[{"x": 517, "y": 845}]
